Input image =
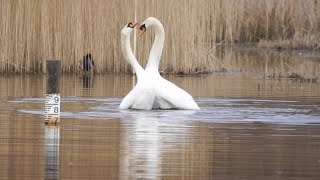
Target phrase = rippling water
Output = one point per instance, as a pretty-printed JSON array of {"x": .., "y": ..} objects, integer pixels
[
  {"x": 247, "y": 128},
  {"x": 212, "y": 110}
]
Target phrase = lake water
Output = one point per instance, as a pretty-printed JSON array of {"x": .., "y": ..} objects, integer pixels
[{"x": 249, "y": 127}]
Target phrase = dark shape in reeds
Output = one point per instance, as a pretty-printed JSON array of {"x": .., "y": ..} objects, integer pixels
[{"x": 87, "y": 62}]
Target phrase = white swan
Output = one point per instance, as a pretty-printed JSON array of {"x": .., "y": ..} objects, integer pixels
[
  {"x": 167, "y": 95},
  {"x": 142, "y": 95}
]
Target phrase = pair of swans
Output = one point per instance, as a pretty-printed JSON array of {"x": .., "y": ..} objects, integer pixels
[{"x": 152, "y": 91}]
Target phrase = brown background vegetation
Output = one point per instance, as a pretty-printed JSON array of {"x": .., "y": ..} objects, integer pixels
[{"x": 32, "y": 31}]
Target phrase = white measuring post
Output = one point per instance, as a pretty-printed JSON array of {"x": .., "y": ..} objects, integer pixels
[
  {"x": 52, "y": 108},
  {"x": 52, "y": 102}
]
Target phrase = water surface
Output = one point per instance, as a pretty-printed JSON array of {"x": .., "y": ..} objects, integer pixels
[{"x": 248, "y": 128}]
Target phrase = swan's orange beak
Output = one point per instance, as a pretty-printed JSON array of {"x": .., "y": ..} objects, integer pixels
[
  {"x": 142, "y": 30},
  {"x": 134, "y": 24}
]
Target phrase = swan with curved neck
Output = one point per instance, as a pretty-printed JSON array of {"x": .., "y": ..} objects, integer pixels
[
  {"x": 167, "y": 94},
  {"x": 157, "y": 47},
  {"x": 127, "y": 51},
  {"x": 142, "y": 95}
]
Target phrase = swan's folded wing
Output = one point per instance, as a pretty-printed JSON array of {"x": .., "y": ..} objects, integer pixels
[{"x": 173, "y": 96}]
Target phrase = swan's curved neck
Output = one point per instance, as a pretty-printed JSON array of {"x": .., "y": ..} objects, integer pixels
[
  {"x": 157, "y": 47},
  {"x": 129, "y": 56}
]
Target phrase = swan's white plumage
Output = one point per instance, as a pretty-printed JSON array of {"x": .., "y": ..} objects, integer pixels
[
  {"x": 142, "y": 95},
  {"x": 152, "y": 91},
  {"x": 167, "y": 94},
  {"x": 170, "y": 96}
]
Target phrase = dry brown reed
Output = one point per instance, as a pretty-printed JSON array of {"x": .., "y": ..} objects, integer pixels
[
  {"x": 32, "y": 31},
  {"x": 310, "y": 41}
]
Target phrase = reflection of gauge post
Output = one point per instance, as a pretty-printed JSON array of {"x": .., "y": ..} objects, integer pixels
[{"x": 52, "y": 109}]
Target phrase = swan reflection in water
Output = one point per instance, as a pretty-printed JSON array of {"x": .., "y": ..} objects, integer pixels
[{"x": 144, "y": 141}]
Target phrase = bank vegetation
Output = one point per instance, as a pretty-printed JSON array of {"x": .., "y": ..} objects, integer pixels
[{"x": 32, "y": 31}]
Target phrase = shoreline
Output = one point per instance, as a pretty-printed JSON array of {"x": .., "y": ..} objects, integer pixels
[{"x": 297, "y": 64}]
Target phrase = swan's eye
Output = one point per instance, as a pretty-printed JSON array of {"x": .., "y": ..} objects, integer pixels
[{"x": 130, "y": 24}]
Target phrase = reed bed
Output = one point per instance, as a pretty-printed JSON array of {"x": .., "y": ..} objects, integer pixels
[
  {"x": 306, "y": 42},
  {"x": 32, "y": 31}
]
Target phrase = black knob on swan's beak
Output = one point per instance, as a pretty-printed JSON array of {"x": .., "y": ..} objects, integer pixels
[
  {"x": 142, "y": 29},
  {"x": 131, "y": 25}
]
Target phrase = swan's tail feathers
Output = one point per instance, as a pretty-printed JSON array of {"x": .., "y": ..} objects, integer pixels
[
  {"x": 125, "y": 104},
  {"x": 169, "y": 94},
  {"x": 181, "y": 101},
  {"x": 128, "y": 101},
  {"x": 193, "y": 105},
  {"x": 163, "y": 102}
]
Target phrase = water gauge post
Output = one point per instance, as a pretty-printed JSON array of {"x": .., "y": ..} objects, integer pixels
[{"x": 52, "y": 101}]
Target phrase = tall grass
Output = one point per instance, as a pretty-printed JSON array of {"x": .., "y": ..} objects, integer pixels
[{"x": 32, "y": 31}]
